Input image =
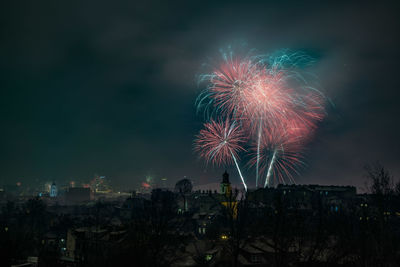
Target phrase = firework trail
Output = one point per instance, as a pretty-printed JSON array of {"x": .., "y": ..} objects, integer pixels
[
  {"x": 220, "y": 142},
  {"x": 258, "y": 151},
  {"x": 271, "y": 164},
  {"x": 279, "y": 155}
]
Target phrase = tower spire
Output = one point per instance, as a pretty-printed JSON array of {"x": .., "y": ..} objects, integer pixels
[{"x": 225, "y": 184}]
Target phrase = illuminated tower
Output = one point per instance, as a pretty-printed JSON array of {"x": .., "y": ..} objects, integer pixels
[
  {"x": 226, "y": 187},
  {"x": 53, "y": 190}
]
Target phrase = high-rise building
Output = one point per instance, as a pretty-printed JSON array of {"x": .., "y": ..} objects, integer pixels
[{"x": 53, "y": 190}]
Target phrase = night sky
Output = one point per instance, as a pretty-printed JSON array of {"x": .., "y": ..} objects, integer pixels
[{"x": 94, "y": 88}]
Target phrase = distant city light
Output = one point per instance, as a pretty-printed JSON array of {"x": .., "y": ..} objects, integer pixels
[{"x": 145, "y": 185}]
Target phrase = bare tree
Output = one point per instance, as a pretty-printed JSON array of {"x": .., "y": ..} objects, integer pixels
[
  {"x": 154, "y": 236},
  {"x": 382, "y": 233},
  {"x": 380, "y": 180}
]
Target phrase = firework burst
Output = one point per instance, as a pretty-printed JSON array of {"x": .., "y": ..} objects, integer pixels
[
  {"x": 278, "y": 155},
  {"x": 228, "y": 86},
  {"x": 220, "y": 143}
]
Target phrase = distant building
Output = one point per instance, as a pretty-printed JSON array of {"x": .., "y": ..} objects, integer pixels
[
  {"x": 305, "y": 197},
  {"x": 53, "y": 190},
  {"x": 100, "y": 184}
]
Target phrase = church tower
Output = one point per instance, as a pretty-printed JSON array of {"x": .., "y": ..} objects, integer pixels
[{"x": 226, "y": 187}]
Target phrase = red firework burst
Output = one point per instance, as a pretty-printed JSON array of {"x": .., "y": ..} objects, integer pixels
[
  {"x": 219, "y": 142},
  {"x": 279, "y": 154},
  {"x": 269, "y": 102},
  {"x": 230, "y": 84}
]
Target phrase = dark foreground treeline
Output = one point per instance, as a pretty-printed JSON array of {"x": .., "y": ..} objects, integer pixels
[{"x": 364, "y": 231}]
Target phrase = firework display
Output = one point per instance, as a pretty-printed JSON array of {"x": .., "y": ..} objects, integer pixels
[
  {"x": 220, "y": 143},
  {"x": 265, "y": 102}
]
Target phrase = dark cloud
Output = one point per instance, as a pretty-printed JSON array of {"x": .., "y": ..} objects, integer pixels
[{"x": 106, "y": 88}]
